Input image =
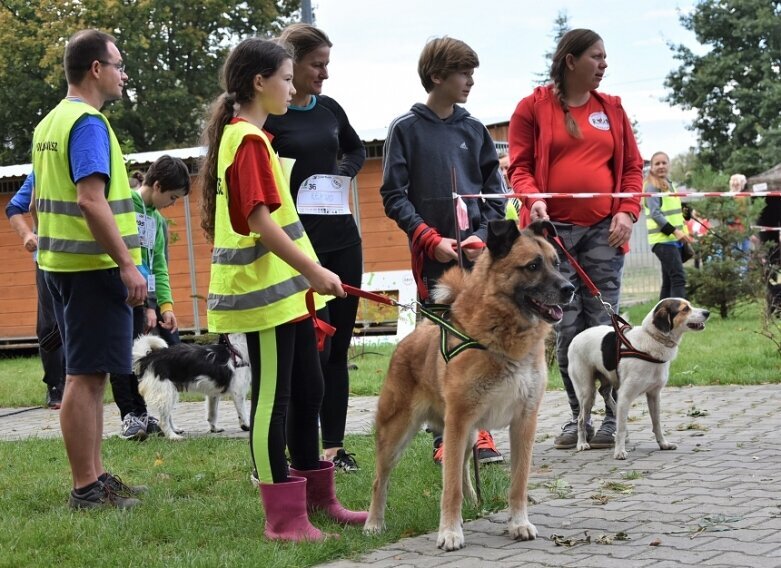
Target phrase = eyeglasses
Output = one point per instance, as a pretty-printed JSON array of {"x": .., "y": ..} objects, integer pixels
[{"x": 118, "y": 66}]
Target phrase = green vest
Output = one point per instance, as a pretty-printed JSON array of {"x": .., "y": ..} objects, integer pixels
[
  {"x": 671, "y": 209},
  {"x": 65, "y": 242},
  {"x": 251, "y": 288}
]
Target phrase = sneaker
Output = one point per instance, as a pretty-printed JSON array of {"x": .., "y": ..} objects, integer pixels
[
  {"x": 100, "y": 496},
  {"x": 253, "y": 477},
  {"x": 568, "y": 438},
  {"x": 54, "y": 397},
  {"x": 486, "y": 448},
  {"x": 605, "y": 436},
  {"x": 152, "y": 425},
  {"x": 439, "y": 451},
  {"x": 345, "y": 461},
  {"x": 116, "y": 485},
  {"x": 133, "y": 428}
]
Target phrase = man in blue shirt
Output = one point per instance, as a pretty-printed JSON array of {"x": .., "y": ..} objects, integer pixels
[{"x": 49, "y": 342}]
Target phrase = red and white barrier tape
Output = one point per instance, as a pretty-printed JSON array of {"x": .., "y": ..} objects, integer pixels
[{"x": 689, "y": 194}]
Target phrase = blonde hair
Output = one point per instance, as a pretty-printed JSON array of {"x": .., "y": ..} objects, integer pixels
[
  {"x": 737, "y": 182},
  {"x": 659, "y": 183}
]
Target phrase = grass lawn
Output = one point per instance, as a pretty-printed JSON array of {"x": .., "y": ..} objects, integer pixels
[{"x": 201, "y": 509}]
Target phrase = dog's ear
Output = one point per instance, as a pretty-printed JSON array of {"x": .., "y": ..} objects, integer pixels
[
  {"x": 501, "y": 236},
  {"x": 543, "y": 229},
  {"x": 664, "y": 314}
]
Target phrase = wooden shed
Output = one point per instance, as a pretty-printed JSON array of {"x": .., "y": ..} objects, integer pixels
[{"x": 384, "y": 245}]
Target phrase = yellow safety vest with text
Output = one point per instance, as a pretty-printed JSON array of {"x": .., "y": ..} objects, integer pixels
[
  {"x": 671, "y": 209},
  {"x": 65, "y": 242},
  {"x": 251, "y": 288}
]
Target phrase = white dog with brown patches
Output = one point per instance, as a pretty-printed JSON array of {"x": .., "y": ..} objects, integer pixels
[{"x": 593, "y": 356}]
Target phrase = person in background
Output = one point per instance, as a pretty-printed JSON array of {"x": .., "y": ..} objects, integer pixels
[
  {"x": 166, "y": 180},
  {"x": 316, "y": 133},
  {"x": 136, "y": 178},
  {"x": 424, "y": 150},
  {"x": 667, "y": 230},
  {"x": 263, "y": 265},
  {"x": 568, "y": 137},
  {"x": 89, "y": 251},
  {"x": 513, "y": 208},
  {"x": 46, "y": 330}
]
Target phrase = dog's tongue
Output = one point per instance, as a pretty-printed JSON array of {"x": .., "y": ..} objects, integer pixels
[{"x": 553, "y": 312}]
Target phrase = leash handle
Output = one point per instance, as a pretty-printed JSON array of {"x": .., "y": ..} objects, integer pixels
[
  {"x": 322, "y": 329},
  {"x": 353, "y": 291}
]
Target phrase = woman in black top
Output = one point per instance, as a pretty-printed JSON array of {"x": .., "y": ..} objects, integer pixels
[{"x": 316, "y": 133}]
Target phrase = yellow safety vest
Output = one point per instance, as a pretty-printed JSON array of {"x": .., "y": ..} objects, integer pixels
[
  {"x": 65, "y": 242},
  {"x": 671, "y": 209},
  {"x": 251, "y": 288}
]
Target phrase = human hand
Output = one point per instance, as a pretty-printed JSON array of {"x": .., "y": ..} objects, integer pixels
[
  {"x": 169, "y": 321},
  {"x": 472, "y": 253},
  {"x": 151, "y": 320},
  {"x": 135, "y": 283},
  {"x": 326, "y": 283},
  {"x": 445, "y": 251},
  {"x": 539, "y": 211},
  {"x": 30, "y": 242},
  {"x": 620, "y": 230}
]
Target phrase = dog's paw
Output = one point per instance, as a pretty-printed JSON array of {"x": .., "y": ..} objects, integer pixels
[
  {"x": 175, "y": 436},
  {"x": 620, "y": 454},
  {"x": 178, "y": 431},
  {"x": 450, "y": 539},
  {"x": 245, "y": 427},
  {"x": 583, "y": 446},
  {"x": 214, "y": 430},
  {"x": 372, "y": 526},
  {"x": 668, "y": 446},
  {"x": 522, "y": 531}
]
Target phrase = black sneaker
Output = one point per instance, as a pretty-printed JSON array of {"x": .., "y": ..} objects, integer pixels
[
  {"x": 345, "y": 461},
  {"x": 568, "y": 438},
  {"x": 54, "y": 397},
  {"x": 152, "y": 425},
  {"x": 116, "y": 485},
  {"x": 100, "y": 497},
  {"x": 605, "y": 436},
  {"x": 133, "y": 428}
]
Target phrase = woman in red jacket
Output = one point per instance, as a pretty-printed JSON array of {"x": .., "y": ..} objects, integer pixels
[{"x": 567, "y": 137}]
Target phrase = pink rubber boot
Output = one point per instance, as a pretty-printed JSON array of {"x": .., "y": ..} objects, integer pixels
[
  {"x": 286, "y": 515},
  {"x": 321, "y": 495}
]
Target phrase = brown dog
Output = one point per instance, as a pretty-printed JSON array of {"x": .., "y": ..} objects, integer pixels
[{"x": 507, "y": 303}]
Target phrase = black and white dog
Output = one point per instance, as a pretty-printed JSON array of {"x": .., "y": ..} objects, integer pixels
[{"x": 214, "y": 370}]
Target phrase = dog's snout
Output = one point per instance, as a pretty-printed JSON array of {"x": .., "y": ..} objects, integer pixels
[
  {"x": 705, "y": 314},
  {"x": 567, "y": 290}
]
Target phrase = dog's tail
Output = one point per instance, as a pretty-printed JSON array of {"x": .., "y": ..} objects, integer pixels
[
  {"x": 143, "y": 346},
  {"x": 449, "y": 286}
]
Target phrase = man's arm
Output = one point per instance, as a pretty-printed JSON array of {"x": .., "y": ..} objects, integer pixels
[
  {"x": 19, "y": 204},
  {"x": 23, "y": 229},
  {"x": 97, "y": 213}
]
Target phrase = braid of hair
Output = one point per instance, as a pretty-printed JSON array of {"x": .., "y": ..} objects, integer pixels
[{"x": 569, "y": 120}]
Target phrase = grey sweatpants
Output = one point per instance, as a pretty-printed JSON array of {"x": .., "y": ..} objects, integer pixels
[{"x": 604, "y": 265}]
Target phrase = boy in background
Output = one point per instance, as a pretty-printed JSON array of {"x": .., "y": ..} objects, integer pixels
[{"x": 429, "y": 150}]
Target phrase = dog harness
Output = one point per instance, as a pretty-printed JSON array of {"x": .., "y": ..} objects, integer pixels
[
  {"x": 624, "y": 347},
  {"x": 238, "y": 360},
  {"x": 438, "y": 313}
]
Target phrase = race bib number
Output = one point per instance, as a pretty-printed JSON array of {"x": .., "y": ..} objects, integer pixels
[
  {"x": 147, "y": 230},
  {"x": 324, "y": 195}
]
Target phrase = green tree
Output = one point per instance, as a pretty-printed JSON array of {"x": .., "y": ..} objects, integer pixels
[
  {"x": 560, "y": 27},
  {"x": 735, "y": 86},
  {"x": 173, "y": 50}
]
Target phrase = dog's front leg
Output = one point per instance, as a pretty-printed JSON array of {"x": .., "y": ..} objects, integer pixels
[
  {"x": 522, "y": 431},
  {"x": 469, "y": 491},
  {"x": 456, "y": 437},
  {"x": 211, "y": 413},
  {"x": 654, "y": 409},
  {"x": 625, "y": 398},
  {"x": 240, "y": 402}
]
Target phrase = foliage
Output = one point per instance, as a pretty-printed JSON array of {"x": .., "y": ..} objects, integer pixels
[
  {"x": 688, "y": 170},
  {"x": 729, "y": 273},
  {"x": 735, "y": 86},
  {"x": 560, "y": 27},
  {"x": 173, "y": 51}
]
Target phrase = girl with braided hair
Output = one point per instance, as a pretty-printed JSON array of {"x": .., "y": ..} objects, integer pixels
[{"x": 566, "y": 137}]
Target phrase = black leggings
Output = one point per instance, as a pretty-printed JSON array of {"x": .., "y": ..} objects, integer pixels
[
  {"x": 340, "y": 312},
  {"x": 287, "y": 390}
]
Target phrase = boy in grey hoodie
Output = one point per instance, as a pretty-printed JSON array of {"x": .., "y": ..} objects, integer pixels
[{"x": 426, "y": 150}]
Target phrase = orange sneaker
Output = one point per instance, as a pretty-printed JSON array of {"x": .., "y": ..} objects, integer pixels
[
  {"x": 439, "y": 451},
  {"x": 486, "y": 448}
]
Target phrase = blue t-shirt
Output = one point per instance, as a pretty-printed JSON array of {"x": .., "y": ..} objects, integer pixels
[
  {"x": 89, "y": 149},
  {"x": 20, "y": 202}
]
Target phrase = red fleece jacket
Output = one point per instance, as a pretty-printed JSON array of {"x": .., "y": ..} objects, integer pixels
[{"x": 530, "y": 138}]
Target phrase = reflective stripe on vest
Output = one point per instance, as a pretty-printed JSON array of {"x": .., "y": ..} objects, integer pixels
[
  {"x": 65, "y": 241},
  {"x": 250, "y": 288},
  {"x": 671, "y": 209}
]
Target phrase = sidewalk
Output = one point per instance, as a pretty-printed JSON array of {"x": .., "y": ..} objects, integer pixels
[{"x": 715, "y": 501}]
